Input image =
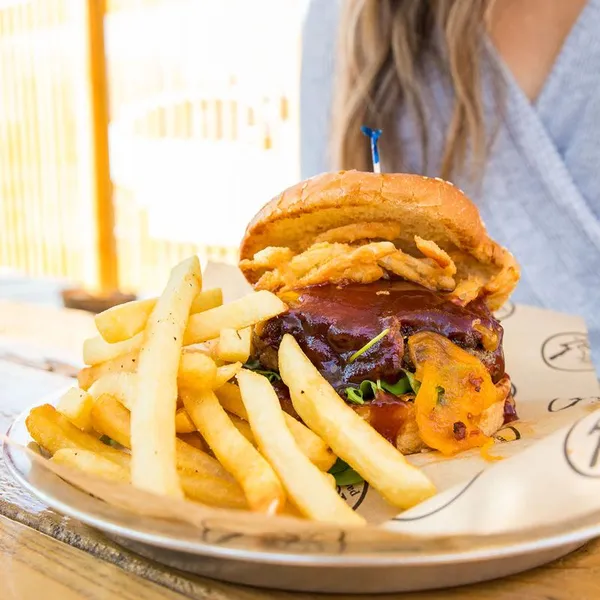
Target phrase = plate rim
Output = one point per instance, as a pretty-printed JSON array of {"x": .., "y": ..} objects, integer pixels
[{"x": 490, "y": 547}]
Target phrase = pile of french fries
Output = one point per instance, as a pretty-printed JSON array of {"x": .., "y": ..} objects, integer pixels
[{"x": 157, "y": 407}]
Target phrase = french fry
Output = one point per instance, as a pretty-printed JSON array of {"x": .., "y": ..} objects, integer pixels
[
  {"x": 195, "y": 440},
  {"x": 209, "y": 348},
  {"x": 122, "y": 364},
  {"x": 191, "y": 379},
  {"x": 261, "y": 485},
  {"x": 207, "y": 299},
  {"x": 235, "y": 345},
  {"x": 196, "y": 380},
  {"x": 225, "y": 373},
  {"x": 243, "y": 427},
  {"x": 111, "y": 418},
  {"x": 350, "y": 437},
  {"x": 53, "y": 432},
  {"x": 307, "y": 487},
  {"x": 92, "y": 463},
  {"x": 196, "y": 369},
  {"x": 124, "y": 321},
  {"x": 77, "y": 405},
  {"x": 193, "y": 460},
  {"x": 153, "y": 442},
  {"x": 128, "y": 364},
  {"x": 120, "y": 386},
  {"x": 213, "y": 491},
  {"x": 310, "y": 443},
  {"x": 330, "y": 479},
  {"x": 193, "y": 369},
  {"x": 205, "y": 489},
  {"x": 319, "y": 453},
  {"x": 183, "y": 423},
  {"x": 96, "y": 350},
  {"x": 230, "y": 397},
  {"x": 247, "y": 311}
]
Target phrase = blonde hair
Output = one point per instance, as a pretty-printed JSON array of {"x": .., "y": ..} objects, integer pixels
[{"x": 383, "y": 45}]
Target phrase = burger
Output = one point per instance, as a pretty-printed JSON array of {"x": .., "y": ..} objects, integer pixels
[{"x": 391, "y": 282}]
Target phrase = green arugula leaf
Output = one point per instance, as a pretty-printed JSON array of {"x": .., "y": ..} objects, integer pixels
[
  {"x": 354, "y": 395},
  {"x": 440, "y": 395},
  {"x": 348, "y": 477},
  {"x": 369, "y": 345},
  {"x": 369, "y": 388},
  {"x": 338, "y": 466},
  {"x": 270, "y": 375},
  {"x": 254, "y": 365},
  {"x": 402, "y": 386},
  {"x": 344, "y": 474},
  {"x": 108, "y": 441},
  {"x": 414, "y": 384},
  {"x": 365, "y": 391}
]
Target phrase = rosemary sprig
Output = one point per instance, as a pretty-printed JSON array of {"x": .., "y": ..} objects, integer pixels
[{"x": 369, "y": 345}]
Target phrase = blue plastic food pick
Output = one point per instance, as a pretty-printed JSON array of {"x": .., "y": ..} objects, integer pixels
[{"x": 373, "y": 134}]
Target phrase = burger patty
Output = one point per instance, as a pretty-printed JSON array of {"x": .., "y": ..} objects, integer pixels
[{"x": 331, "y": 323}]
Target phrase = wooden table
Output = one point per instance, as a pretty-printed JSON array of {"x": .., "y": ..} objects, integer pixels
[{"x": 46, "y": 556}]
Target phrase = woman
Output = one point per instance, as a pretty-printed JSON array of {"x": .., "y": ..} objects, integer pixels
[{"x": 501, "y": 97}]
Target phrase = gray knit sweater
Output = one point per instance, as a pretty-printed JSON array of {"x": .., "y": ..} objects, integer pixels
[{"x": 540, "y": 194}]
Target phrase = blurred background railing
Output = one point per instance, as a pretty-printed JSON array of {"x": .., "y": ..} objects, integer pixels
[{"x": 203, "y": 102}]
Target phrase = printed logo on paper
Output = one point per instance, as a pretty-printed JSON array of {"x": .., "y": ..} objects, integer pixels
[
  {"x": 568, "y": 352},
  {"x": 508, "y": 433},
  {"x": 558, "y": 404},
  {"x": 582, "y": 447},
  {"x": 417, "y": 514},
  {"x": 354, "y": 494},
  {"x": 507, "y": 310}
]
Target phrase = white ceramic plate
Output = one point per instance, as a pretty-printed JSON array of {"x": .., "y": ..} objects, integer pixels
[{"x": 314, "y": 563}]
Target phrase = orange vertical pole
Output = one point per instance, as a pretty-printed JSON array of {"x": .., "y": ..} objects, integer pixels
[{"x": 106, "y": 246}]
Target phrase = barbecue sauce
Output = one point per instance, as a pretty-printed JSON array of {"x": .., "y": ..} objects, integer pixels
[{"x": 332, "y": 322}]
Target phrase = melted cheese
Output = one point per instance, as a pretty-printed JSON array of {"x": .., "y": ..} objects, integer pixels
[{"x": 455, "y": 390}]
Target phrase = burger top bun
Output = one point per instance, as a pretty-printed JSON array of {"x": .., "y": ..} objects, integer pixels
[{"x": 360, "y": 208}]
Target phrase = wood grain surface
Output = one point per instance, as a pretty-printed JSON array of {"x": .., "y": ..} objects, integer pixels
[{"x": 34, "y": 565}]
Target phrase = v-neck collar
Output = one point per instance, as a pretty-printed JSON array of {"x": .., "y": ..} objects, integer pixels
[{"x": 531, "y": 137}]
